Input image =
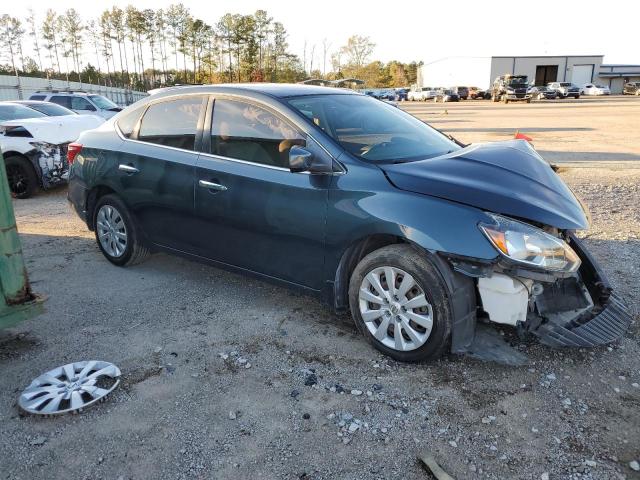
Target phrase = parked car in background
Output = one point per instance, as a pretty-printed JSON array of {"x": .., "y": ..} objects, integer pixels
[
  {"x": 401, "y": 94},
  {"x": 388, "y": 94},
  {"x": 462, "y": 92},
  {"x": 80, "y": 102},
  {"x": 48, "y": 108},
  {"x": 593, "y": 89},
  {"x": 542, "y": 93},
  {"x": 565, "y": 89},
  {"x": 34, "y": 146},
  {"x": 476, "y": 93},
  {"x": 446, "y": 95},
  {"x": 631, "y": 88},
  {"x": 355, "y": 202}
]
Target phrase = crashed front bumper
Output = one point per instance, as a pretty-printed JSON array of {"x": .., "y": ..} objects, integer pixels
[
  {"x": 50, "y": 161},
  {"x": 604, "y": 322}
]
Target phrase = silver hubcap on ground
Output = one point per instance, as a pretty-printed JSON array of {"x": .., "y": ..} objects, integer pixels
[
  {"x": 112, "y": 232},
  {"x": 70, "y": 388},
  {"x": 395, "y": 309}
]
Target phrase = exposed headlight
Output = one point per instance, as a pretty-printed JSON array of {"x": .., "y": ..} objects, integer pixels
[{"x": 529, "y": 245}]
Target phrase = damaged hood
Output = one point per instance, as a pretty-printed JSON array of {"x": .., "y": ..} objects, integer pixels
[
  {"x": 56, "y": 130},
  {"x": 508, "y": 178}
]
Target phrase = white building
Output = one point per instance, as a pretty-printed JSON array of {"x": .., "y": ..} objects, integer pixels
[{"x": 481, "y": 71}]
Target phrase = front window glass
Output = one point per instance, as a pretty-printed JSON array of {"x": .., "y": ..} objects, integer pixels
[
  {"x": 247, "y": 132},
  {"x": 173, "y": 123},
  {"x": 102, "y": 102},
  {"x": 373, "y": 130},
  {"x": 17, "y": 112}
]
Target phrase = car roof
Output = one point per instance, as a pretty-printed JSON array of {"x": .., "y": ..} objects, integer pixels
[{"x": 278, "y": 90}]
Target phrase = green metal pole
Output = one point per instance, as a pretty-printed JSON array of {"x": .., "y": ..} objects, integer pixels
[
  {"x": 13, "y": 276},
  {"x": 16, "y": 299}
]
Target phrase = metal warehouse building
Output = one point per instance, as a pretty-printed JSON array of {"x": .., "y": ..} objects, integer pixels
[{"x": 481, "y": 71}]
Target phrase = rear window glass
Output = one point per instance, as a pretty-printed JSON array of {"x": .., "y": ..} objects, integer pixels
[
  {"x": 128, "y": 119},
  {"x": 37, "y": 97},
  {"x": 65, "y": 101},
  {"x": 173, "y": 123}
]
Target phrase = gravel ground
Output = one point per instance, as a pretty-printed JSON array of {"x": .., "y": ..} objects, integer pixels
[{"x": 228, "y": 377}]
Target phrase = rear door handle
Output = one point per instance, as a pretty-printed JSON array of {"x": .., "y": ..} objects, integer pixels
[
  {"x": 127, "y": 168},
  {"x": 212, "y": 186}
]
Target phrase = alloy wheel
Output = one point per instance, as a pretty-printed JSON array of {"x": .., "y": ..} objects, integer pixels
[
  {"x": 112, "y": 232},
  {"x": 395, "y": 309}
]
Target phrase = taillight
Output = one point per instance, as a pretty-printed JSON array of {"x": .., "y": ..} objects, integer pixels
[{"x": 72, "y": 151}]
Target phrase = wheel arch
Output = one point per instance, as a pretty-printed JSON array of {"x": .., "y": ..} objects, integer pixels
[
  {"x": 93, "y": 196},
  {"x": 461, "y": 288}
]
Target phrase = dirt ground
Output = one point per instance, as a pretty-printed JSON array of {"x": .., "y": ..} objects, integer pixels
[{"x": 226, "y": 377}]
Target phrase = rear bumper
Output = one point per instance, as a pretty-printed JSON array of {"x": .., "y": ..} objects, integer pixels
[
  {"x": 604, "y": 322},
  {"x": 77, "y": 197}
]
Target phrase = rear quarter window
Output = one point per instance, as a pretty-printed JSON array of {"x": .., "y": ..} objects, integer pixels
[
  {"x": 65, "y": 101},
  {"x": 37, "y": 97},
  {"x": 128, "y": 120}
]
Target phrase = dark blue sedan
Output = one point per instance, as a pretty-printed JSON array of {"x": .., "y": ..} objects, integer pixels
[{"x": 355, "y": 201}]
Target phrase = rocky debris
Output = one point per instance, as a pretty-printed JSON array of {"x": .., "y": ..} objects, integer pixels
[
  {"x": 634, "y": 465},
  {"x": 40, "y": 440}
]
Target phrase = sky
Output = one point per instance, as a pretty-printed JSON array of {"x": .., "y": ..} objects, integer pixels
[{"x": 422, "y": 30}]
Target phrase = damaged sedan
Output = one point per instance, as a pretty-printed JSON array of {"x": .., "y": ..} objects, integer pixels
[
  {"x": 34, "y": 140},
  {"x": 331, "y": 192}
]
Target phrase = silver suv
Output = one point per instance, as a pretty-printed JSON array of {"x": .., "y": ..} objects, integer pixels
[
  {"x": 80, "y": 102},
  {"x": 565, "y": 89}
]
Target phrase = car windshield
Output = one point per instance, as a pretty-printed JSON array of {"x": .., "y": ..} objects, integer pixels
[
  {"x": 51, "y": 109},
  {"x": 102, "y": 102},
  {"x": 18, "y": 112},
  {"x": 515, "y": 81},
  {"x": 372, "y": 130}
]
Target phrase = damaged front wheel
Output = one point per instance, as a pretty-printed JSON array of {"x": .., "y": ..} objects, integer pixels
[{"x": 399, "y": 303}]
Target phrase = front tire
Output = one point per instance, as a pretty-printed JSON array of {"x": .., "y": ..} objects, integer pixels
[
  {"x": 117, "y": 235},
  {"x": 399, "y": 302},
  {"x": 23, "y": 181}
]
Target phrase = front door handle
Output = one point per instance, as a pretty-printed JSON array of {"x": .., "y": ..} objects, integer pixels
[
  {"x": 212, "y": 186},
  {"x": 128, "y": 168}
]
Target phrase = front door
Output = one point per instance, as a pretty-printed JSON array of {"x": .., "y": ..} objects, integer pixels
[
  {"x": 252, "y": 212},
  {"x": 156, "y": 169}
]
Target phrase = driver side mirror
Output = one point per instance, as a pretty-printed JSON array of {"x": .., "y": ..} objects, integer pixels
[{"x": 302, "y": 160}]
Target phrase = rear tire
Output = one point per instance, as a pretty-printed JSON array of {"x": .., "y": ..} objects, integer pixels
[
  {"x": 425, "y": 331},
  {"x": 117, "y": 235},
  {"x": 23, "y": 180}
]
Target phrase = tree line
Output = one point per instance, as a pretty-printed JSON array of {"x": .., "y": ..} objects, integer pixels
[{"x": 149, "y": 48}]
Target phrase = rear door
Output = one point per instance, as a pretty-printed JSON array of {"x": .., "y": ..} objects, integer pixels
[
  {"x": 156, "y": 168},
  {"x": 252, "y": 212}
]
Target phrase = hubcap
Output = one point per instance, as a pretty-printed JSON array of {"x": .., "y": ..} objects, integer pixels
[
  {"x": 395, "y": 309},
  {"x": 112, "y": 232},
  {"x": 70, "y": 388}
]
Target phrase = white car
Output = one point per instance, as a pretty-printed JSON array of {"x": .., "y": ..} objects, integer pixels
[
  {"x": 80, "y": 102},
  {"x": 592, "y": 89},
  {"x": 34, "y": 146}
]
